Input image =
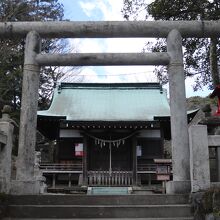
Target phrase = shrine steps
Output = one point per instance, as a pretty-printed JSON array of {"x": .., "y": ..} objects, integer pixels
[
  {"x": 148, "y": 207},
  {"x": 190, "y": 218},
  {"x": 109, "y": 190}
]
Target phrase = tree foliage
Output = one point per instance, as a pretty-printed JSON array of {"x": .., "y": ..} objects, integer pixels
[
  {"x": 12, "y": 50},
  {"x": 200, "y": 55},
  {"x": 197, "y": 102}
]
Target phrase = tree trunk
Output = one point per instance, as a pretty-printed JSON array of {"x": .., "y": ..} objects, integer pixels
[{"x": 214, "y": 61}]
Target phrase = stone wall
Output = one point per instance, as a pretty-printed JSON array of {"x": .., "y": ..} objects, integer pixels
[{"x": 207, "y": 204}]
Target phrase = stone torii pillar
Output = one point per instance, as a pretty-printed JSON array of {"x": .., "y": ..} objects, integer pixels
[
  {"x": 179, "y": 127},
  {"x": 26, "y": 182}
]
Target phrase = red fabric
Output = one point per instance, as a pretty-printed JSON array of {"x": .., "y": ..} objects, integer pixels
[{"x": 216, "y": 93}]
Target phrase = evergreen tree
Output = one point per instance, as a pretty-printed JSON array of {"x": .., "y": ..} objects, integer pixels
[
  {"x": 12, "y": 50},
  {"x": 200, "y": 55}
]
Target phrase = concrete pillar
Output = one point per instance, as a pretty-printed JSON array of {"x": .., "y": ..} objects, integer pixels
[
  {"x": 199, "y": 158},
  {"x": 26, "y": 181},
  {"x": 218, "y": 163},
  {"x": 179, "y": 128},
  {"x": 6, "y": 128},
  {"x": 217, "y": 151}
]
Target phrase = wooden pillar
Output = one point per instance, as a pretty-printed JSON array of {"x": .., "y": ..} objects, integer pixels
[
  {"x": 69, "y": 180},
  {"x": 85, "y": 156},
  {"x": 54, "y": 181},
  {"x": 134, "y": 158}
]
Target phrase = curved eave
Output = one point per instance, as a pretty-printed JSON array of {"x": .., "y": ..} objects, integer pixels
[
  {"x": 165, "y": 122},
  {"x": 49, "y": 125}
]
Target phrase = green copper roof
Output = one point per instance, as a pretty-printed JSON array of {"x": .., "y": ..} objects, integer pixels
[{"x": 108, "y": 102}]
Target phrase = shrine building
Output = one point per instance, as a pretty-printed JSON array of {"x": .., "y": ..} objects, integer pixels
[{"x": 108, "y": 134}]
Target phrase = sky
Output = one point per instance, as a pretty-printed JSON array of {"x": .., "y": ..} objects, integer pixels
[{"x": 110, "y": 10}]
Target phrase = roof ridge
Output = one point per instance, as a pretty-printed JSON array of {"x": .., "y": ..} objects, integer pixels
[{"x": 64, "y": 85}]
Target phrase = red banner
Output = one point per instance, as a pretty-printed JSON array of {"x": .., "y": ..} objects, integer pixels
[{"x": 79, "y": 150}]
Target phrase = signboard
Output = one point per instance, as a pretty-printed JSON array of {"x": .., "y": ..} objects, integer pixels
[
  {"x": 163, "y": 170},
  {"x": 163, "y": 177},
  {"x": 139, "y": 151},
  {"x": 79, "y": 150}
]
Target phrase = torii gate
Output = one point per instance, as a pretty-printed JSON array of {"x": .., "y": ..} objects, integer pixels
[{"x": 173, "y": 58}]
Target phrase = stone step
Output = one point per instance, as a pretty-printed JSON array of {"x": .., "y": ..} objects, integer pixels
[
  {"x": 109, "y": 190},
  {"x": 157, "y": 206},
  {"x": 48, "y": 199},
  {"x": 99, "y": 211},
  {"x": 190, "y": 218}
]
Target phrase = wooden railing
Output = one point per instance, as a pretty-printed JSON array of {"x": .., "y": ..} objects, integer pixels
[
  {"x": 96, "y": 178},
  {"x": 61, "y": 167},
  {"x": 106, "y": 178},
  {"x": 57, "y": 169},
  {"x": 146, "y": 168}
]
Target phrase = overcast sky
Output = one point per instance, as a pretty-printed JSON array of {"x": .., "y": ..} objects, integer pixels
[{"x": 109, "y": 10}]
